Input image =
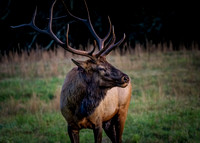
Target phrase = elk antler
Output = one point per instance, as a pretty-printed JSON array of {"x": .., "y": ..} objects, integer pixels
[
  {"x": 88, "y": 23},
  {"x": 53, "y": 36},
  {"x": 103, "y": 49}
]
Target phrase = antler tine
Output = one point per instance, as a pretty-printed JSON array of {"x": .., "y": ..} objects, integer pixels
[
  {"x": 112, "y": 39},
  {"x": 100, "y": 41},
  {"x": 112, "y": 46},
  {"x": 110, "y": 29},
  {"x": 78, "y": 52},
  {"x": 49, "y": 32},
  {"x": 88, "y": 23},
  {"x": 110, "y": 43}
]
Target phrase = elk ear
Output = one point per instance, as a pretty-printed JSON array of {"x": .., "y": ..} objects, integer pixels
[{"x": 80, "y": 64}]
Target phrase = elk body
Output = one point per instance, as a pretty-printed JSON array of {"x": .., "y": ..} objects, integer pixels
[{"x": 95, "y": 94}]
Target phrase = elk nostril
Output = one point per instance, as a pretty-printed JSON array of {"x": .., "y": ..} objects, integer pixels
[{"x": 125, "y": 79}]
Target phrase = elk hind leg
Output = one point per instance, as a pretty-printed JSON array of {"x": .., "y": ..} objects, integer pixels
[
  {"x": 97, "y": 134},
  {"x": 73, "y": 135},
  {"x": 110, "y": 130}
]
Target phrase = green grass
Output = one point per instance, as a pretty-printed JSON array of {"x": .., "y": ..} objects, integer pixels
[
  {"x": 163, "y": 121},
  {"x": 45, "y": 127},
  {"x": 20, "y": 88},
  {"x": 165, "y": 105}
]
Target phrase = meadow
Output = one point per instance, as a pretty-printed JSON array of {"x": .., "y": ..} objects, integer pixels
[{"x": 165, "y": 104}]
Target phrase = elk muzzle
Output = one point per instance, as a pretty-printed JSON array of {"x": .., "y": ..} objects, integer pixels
[{"x": 124, "y": 81}]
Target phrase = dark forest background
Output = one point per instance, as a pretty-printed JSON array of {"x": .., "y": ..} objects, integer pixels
[{"x": 142, "y": 21}]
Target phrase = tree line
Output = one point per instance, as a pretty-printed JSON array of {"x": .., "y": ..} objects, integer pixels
[{"x": 142, "y": 21}]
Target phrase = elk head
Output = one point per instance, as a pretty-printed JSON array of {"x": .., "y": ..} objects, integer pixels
[
  {"x": 96, "y": 68},
  {"x": 102, "y": 73}
]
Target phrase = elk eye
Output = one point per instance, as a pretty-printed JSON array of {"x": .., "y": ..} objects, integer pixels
[{"x": 101, "y": 69}]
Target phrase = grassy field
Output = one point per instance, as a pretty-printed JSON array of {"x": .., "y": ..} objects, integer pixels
[{"x": 165, "y": 104}]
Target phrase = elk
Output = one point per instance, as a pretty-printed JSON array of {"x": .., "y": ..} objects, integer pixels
[{"x": 95, "y": 94}]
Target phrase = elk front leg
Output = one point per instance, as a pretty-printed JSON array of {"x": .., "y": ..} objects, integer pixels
[
  {"x": 97, "y": 134},
  {"x": 73, "y": 135},
  {"x": 119, "y": 126}
]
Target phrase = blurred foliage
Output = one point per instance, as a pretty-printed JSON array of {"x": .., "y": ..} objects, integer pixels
[{"x": 162, "y": 21}]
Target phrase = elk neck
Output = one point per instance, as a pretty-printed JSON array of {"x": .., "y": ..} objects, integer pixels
[{"x": 92, "y": 97}]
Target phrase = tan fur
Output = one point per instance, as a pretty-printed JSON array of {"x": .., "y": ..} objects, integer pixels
[{"x": 116, "y": 100}]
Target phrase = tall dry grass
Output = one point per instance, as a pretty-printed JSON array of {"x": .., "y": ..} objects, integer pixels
[
  {"x": 138, "y": 63},
  {"x": 43, "y": 63},
  {"x": 38, "y": 63}
]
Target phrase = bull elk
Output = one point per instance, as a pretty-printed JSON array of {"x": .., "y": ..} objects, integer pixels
[{"x": 95, "y": 94}]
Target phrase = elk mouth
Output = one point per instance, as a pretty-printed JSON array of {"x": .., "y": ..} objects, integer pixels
[
  {"x": 123, "y": 82},
  {"x": 120, "y": 82}
]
